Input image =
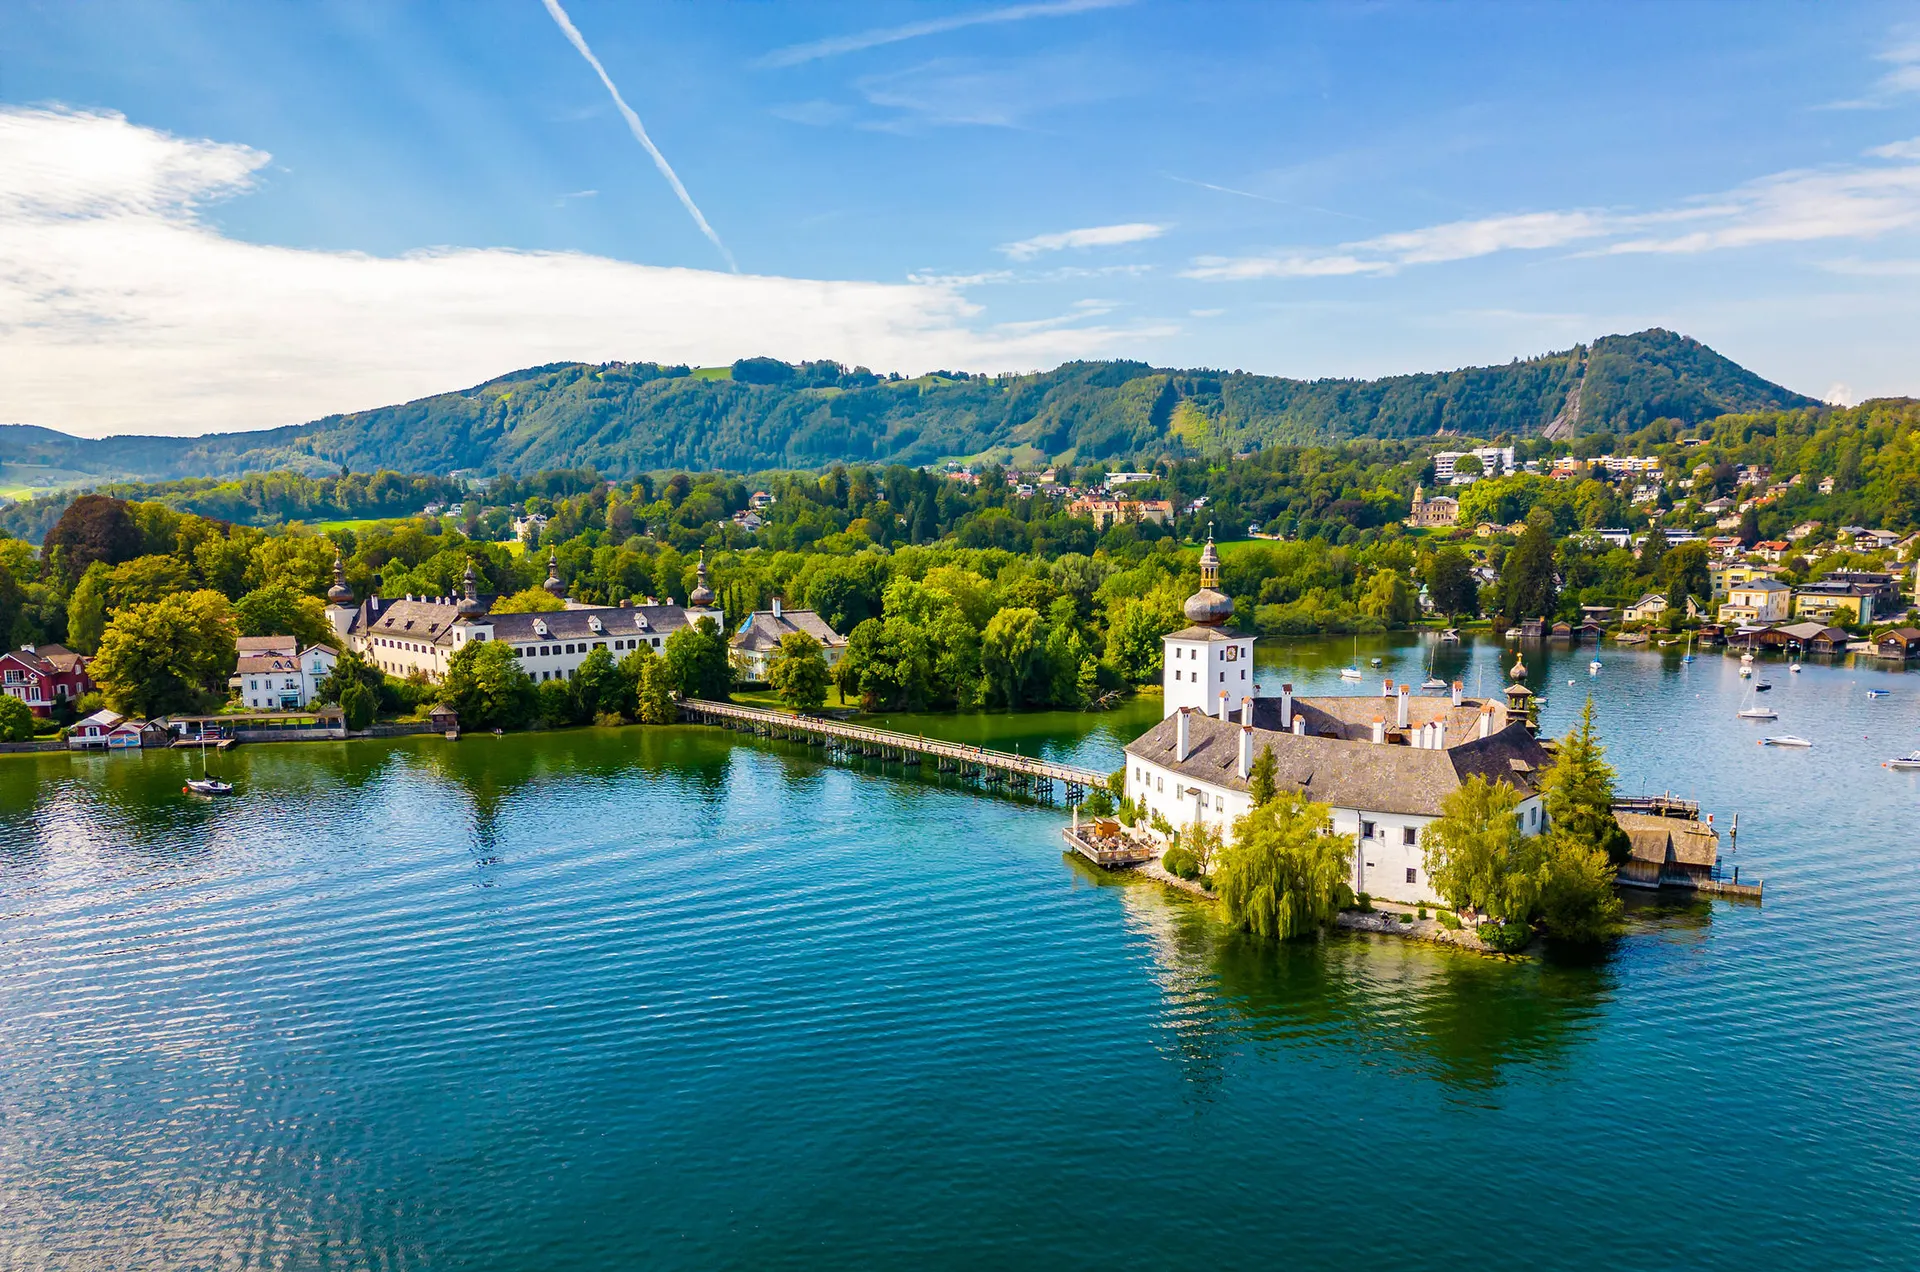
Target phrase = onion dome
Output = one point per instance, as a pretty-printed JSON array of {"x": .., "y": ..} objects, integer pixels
[
  {"x": 1209, "y": 607},
  {"x": 470, "y": 603},
  {"x": 339, "y": 593},
  {"x": 1519, "y": 671},
  {"x": 702, "y": 597},
  {"x": 553, "y": 583}
]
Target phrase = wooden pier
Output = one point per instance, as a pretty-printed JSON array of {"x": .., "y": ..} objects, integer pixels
[{"x": 1000, "y": 771}]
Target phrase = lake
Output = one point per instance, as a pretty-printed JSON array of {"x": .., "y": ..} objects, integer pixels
[{"x": 679, "y": 998}]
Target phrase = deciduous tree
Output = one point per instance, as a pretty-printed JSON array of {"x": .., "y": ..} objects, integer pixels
[
  {"x": 169, "y": 655},
  {"x": 798, "y": 672},
  {"x": 1285, "y": 873}
]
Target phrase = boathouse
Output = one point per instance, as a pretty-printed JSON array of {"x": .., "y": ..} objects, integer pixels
[{"x": 1667, "y": 850}]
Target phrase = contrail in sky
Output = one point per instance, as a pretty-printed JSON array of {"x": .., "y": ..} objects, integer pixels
[{"x": 639, "y": 130}]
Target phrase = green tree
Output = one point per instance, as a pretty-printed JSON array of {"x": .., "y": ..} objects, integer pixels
[
  {"x": 1687, "y": 576},
  {"x": 1653, "y": 553},
  {"x": 1578, "y": 792},
  {"x": 1285, "y": 874},
  {"x": 16, "y": 720},
  {"x": 1477, "y": 856},
  {"x": 1578, "y": 904},
  {"x": 1389, "y": 598},
  {"x": 656, "y": 703},
  {"x": 530, "y": 600},
  {"x": 697, "y": 661},
  {"x": 1451, "y": 585},
  {"x": 357, "y": 703},
  {"x": 278, "y": 610},
  {"x": 486, "y": 686},
  {"x": 1527, "y": 578},
  {"x": 105, "y": 589},
  {"x": 798, "y": 672},
  {"x": 1260, "y": 778},
  {"x": 169, "y": 655},
  {"x": 1013, "y": 664},
  {"x": 597, "y": 685},
  {"x": 93, "y": 528},
  {"x": 556, "y": 703}
]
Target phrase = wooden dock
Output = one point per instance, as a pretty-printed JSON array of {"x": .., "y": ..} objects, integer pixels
[
  {"x": 1112, "y": 849},
  {"x": 996, "y": 770}
]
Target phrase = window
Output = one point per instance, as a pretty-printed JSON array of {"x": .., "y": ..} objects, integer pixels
[
  {"x": 253, "y": 684},
  {"x": 1159, "y": 783},
  {"x": 1176, "y": 673},
  {"x": 1412, "y": 875},
  {"x": 1243, "y": 673},
  {"x": 1409, "y": 836},
  {"x": 1219, "y": 803},
  {"x": 1366, "y": 830}
]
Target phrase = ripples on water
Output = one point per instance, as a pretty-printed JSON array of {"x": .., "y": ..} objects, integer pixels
[{"x": 674, "y": 998}]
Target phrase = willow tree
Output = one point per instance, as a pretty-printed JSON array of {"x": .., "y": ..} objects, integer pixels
[
  {"x": 1285, "y": 874},
  {"x": 1477, "y": 856}
]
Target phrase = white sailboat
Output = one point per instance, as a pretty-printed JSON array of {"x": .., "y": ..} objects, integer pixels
[
  {"x": 1754, "y": 711},
  {"x": 206, "y": 783},
  {"x": 1352, "y": 670},
  {"x": 1688, "y": 656},
  {"x": 1746, "y": 664}
]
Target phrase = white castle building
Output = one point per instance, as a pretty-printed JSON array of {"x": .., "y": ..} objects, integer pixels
[{"x": 1383, "y": 763}]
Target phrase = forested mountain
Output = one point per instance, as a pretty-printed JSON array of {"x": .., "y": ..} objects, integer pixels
[{"x": 624, "y": 418}]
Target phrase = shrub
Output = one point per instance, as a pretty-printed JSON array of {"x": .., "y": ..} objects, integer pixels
[
  {"x": 1448, "y": 920},
  {"x": 1099, "y": 803},
  {"x": 1179, "y": 862},
  {"x": 609, "y": 719},
  {"x": 1506, "y": 938},
  {"x": 1407, "y": 919},
  {"x": 1423, "y": 911},
  {"x": 1364, "y": 901}
]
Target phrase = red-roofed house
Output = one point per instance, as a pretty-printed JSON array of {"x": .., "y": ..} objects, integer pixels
[{"x": 43, "y": 677}]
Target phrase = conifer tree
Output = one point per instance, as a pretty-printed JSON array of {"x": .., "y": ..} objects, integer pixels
[
  {"x": 1578, "y": 791},
  {"x": 1260, "y": 778}
]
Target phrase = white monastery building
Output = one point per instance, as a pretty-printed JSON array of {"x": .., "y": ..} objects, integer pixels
[{"x": 1384, "y": 763}]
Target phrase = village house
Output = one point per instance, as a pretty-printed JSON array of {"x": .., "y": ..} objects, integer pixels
[
  {"x": 1650, "y": 607},
  {"x": 1441, "y": 510},
  {"x": 1826, "y": 485},
  {"x": 1724, "y": 575},
  {"x": 528, "y": 529},
  {"x": 419, "y": 636},
  {"x": 1772, "y": 549},
  {"x": 44, "y": 676},
  {"x": 1384, "y": 765},
  {"x": 1834, "y": 603},
  {"x": 276, "y": 678},
  {"x": 760, "y": 501},
  {"x": 1804, "y": 530},
  {"x": 1106, "y": 512},
  {"x": 1757, "y": 601},
  {"x": 758, "y": 639}
]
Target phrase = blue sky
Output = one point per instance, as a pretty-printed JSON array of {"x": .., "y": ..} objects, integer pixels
[{"x": 229, "y": 216}]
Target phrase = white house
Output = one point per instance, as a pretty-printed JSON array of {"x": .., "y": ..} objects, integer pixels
[
  {"x": 276, "y": 680},
  {"x": 758, "y": 638},
  {"x": 1384, "y": 764}
]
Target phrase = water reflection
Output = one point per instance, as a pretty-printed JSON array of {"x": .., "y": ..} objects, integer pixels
[{"x": 1461, "y": 1019}]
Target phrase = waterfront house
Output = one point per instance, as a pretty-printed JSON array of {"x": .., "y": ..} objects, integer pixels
[
  {"x": 1562, "y": 631},
  {"x": 758, "y": 639},
  {"x": 1383, "y": 764},
  {"x": 1666, "y": 850},
  {"x": 1829, "y": 602},
  {"x": 1902, "y": 643},
  {"x": 277, "y": 680},
  {"x": 44, "y": 676},
  {"x": 1533, "y": 628},
  {"x": 107, "y": 731},
  {"x": 1757, "y": 601},
  {"x": 1650, "y": 607}
]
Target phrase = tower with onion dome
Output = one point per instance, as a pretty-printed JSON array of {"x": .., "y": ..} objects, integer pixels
[{"x": 1208, "y": 658}]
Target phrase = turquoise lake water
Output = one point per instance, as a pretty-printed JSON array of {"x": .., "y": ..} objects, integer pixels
[{"x": 677, "y": 998}]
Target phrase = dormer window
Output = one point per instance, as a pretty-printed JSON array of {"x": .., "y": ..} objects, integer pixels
[
  {"x": 540, "y": 626},
  {"x": 640, "y": 620},
  {"x": 593, "y": 621}
]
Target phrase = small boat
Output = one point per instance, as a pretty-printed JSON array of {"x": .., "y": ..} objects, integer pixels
[
  {"x": 1373, "y": 662},
  {"x": 1451, "y": 636},
  {"x": 1911, "y": 760},
  {"x": 1593, "y": 667},
  {"x": 1757, "y": 713},
  {"x": 1878, "y": 693},
  {"x": 1762, "y": 687},
  {"x": 1688, "y": 656},
  {"x": 206, "y": 786},
  {"x": 1433, "y": 682},
  {"x": 1785, "y": 739},
  {"x": 1746, "y": 664},
  {"x": 1352, "y": 670},
  {"x": 1794, "y": 667},
  {"x": 1513, "y": 633}
]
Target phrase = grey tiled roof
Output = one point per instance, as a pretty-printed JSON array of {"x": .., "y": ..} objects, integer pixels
[
  {"x": 761, "y": 632},
  {"x": 577, "y": 624},
  {"x": 1377, "y": 777}
]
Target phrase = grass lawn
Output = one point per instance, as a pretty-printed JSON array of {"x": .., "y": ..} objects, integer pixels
[{"x": 713, "y": 373}]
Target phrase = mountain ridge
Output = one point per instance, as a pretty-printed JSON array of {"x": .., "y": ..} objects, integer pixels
[{"x": 762, "y": 414}]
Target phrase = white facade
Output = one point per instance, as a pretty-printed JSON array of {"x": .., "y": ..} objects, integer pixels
[
  {"x": 1494, "y": 461},
  {"x": 1201, "y": 668},
  {"x": 278, "y": 682}
]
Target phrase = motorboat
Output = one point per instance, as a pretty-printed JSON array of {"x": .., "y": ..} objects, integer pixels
[
  {"x": 1794, "y": 667},
  {"x": 1513, "y": 633},
  {"x": 1746, "y": 666},
  {"x": 1593, "y": 667},
  {"x": 1786, "y": 739},
  {"x": 1373, "y": 662},
  {"x": 1878, "y": 693},
  {"x": 1911, "y": 760}
]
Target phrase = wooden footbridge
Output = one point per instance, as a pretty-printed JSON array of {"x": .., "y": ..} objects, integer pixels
[{"x": 997, "y": 770}]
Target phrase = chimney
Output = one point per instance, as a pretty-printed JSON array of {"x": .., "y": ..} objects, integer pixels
[
  {"x": 1180, "y": 736},
  {"x": 776, "y": 606},
  {"x": 1286, "y": 706},
  {"x": 1386, "y": 689},
  {"x": 1379, "y": 729},
  {"x": 1246, "y": 751},
  {"x": 1299, "y": 726},
  {"x": 1403, "y": 707},
  {"x": 1440, "y": 734},
  {"x": 1458, "y": 689},
  {"x": 1486, "y": 720},
  {"x": 1223, "y": 706}
]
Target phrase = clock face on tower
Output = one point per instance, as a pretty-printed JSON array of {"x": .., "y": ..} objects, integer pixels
[{"x": 1233, "y": 652}]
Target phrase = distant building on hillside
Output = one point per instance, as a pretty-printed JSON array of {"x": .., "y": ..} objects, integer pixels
[{"x": 1441, "y": 510}]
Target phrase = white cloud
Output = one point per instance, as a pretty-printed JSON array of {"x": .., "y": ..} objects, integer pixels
[
  {"x": 122, "y": 310},
  {"x": 1839, "y": 393},
  {"x": 834, "y": 46},
  {"x": 1858, "y": 202},
  {"x": 1092, "y": 236}
]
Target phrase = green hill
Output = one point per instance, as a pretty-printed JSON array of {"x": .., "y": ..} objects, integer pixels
[{"x": 623, "y": 418}]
